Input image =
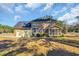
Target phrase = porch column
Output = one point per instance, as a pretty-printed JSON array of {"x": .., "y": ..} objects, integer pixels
[
  {"x": 53, "y": 32},
  {"x": 49, "y": 32},
  {"x": 57, "y": 32}
]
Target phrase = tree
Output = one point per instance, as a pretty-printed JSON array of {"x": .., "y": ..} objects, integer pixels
[
  {"x": 6, "y": 29},
  {"x": 77, "y": 27},
  {"x": 63, "y": 26}
]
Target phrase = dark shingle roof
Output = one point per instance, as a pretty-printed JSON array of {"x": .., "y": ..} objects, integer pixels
[
  {"x": 44, "y": 19},
  {"x": 23, "y": 24},
  {"x": 27, "y": 24}
]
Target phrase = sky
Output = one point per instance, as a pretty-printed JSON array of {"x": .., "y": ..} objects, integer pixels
[{"x": 11, "y": 13}]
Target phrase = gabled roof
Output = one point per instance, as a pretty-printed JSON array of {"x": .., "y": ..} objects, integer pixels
[
  {"x": 23, "y": 25},
  {"x": 27, "y": 24},
  {"x": 54, "y": 26},
  {"x": 43, "y": 19}
]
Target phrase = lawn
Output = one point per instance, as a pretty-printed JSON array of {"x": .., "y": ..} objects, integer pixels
[
  {"x": 70, "y": 36},
  {"x": 39, "y": 47},
  {"x": 7, "y": 38}
]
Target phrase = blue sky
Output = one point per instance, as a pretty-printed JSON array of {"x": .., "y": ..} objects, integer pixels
[{"x": 11, "y": 13}]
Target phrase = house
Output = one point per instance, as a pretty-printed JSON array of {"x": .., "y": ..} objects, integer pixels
[
  {"x": 37, "y": 27},
  {"x": 22, "y": 29}
]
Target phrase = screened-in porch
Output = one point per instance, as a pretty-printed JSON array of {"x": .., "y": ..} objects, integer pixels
[{"x": 54, "y": 32}]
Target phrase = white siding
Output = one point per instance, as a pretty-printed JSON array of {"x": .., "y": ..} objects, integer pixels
[{"x": 22, "y": 33}]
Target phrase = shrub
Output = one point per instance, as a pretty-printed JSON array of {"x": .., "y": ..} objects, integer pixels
[
  {"x": 45, "y": 35},
  {"x": 38, "y": 35},
  {"x": 62, "y": 35}
]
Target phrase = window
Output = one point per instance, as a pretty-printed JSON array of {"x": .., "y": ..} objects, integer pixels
[
  {"x": 51, "y": 31},
  {"x": 34, "y": 25},
  {"x": 34, "y": 29}
]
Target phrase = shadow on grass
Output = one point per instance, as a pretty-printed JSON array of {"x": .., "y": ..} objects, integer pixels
[
  {"x": 60, "y": 52},
  {"x": 5, "y": 44},
  {"x": 73, "y": 43},
  {"x": 6, "y": 41},
  {"x": 56, "y": 52},
  {"x": 17, "y": 51}
]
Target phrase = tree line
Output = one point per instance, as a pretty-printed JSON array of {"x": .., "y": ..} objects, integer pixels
[{"x": 6, "y": 29}]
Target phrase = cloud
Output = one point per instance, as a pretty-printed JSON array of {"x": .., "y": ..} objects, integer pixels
[
  {"x": 55, "y": 13},
  {"x": 67, "y": 16},
  {"x": 17, "y": 17},
  {"x": 33, "y": 6},
  {"x": 48, "y": 6},
  {"x": 67, "y": 6},
  {"x": 20, "y": 9},
  {"x": 7, "y": 7},
  {"x": 70, "y": 17},
  {"x": 75, "y": 10}
]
